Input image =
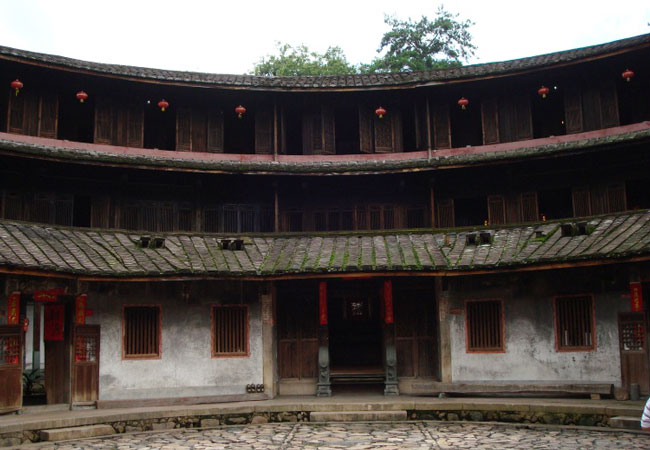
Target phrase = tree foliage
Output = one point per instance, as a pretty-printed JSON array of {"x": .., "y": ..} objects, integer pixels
[
  {"x": 427, "y": 44},
  {"x": 408, "y": 46},
  {"x": 296, "y": 61}
]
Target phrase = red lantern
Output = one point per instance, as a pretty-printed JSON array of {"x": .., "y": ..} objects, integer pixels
[
  {"x": 463, "y": 102},
  {"x": 240, "y": 110},
  {"x": 543, "y": 91},
  {"x": 163, "y": 105},
  {"x": 627, "y": 75},
  {"x": 380, "y": 112},
  {"x": 17, "y": 85},
  {"x": 81, "y": 96}
]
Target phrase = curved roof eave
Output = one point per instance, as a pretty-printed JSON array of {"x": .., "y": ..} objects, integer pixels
[{"x": 332, "y": 82}]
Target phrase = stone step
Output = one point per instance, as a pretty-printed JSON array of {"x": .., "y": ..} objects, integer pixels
[
  {"x": 63, "y": 434},
  {"x": 631, "y": 423},
  {"x": 357, "y": 416}
]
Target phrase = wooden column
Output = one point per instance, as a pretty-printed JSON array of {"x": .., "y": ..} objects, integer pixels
[
  {"x": 275, "y": 130},
  {"x": 390, "y": 384},
  {"x": 324, "y": 386},
  {"x": 428, "y": 128},
  {"x": 442, "y": 298},
  {"x": 276, "y": 208},
  {"x": 432, "y": 204},
  {"x": 269, "y": 345}
]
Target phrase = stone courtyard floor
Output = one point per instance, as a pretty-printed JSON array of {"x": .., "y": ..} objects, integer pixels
[{"x": 376, "y": 435}]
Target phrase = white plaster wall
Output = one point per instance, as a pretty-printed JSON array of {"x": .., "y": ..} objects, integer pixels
[
  {"x": 186, "y": 367},
  {"x": 530, "y": 353}
]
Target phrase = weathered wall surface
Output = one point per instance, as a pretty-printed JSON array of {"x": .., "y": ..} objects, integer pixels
[
  {"x": 186, "y": 367},
  {"x": 530, "y": 353}
]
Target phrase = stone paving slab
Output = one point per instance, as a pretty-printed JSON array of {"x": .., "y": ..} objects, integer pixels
[{"x": 357, "y": 436}]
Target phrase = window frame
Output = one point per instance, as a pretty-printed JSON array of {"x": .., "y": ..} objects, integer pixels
[
  {"x": 127, "y": 357},
  {"x": 213, "y": 329},
  {"x": 502, "y": 325},
  {"x": 556, "y": 331}
]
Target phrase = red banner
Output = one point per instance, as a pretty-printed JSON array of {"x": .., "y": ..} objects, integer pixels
[
  {"x": 13, "y": 308},
  {"x": 322, "y": 302},
  {"x": 54, "y": 322},
  {"x": 80, "y": 309},
  {"x": 636, "y": 297},
  {"x": 48, "y": 295},
  {"x": 388, "y": 301}
]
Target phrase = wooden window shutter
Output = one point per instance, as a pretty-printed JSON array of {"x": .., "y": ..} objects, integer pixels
[
  {"x": 490, "y": 120},
  {"x": 129, "y": 216},
  {"x": 513, "y": 208},
  {"x": 445, "y": 217},
  {"x": 523, "y": 118},
  {"x": 165, "y": 217},
  {"x": 529, "y": 208},
  {"x": 590, "y": 108},
  {"x": 103, "y": 121},
  {"x": 42, "y": 208},
  {"x": 573, "y": 109},
  {"x": 31, "y": 113},
  {"x": 496, "y": 209},
  {"x": 329, "y": 130},
  {"x": 48, "y": 116},
  {"x": 608, "y": 106},
  {"x": 16, "y": 114},
  {"x": 581, "y": 202},
  {"x": 419, "y": 114},
  {"x": 135, "y": 126},
  {"x": 365, "y": 129},
  {"x": 598, "y": 199},
  {"x": 384, "y": 134},
  {"x": 183, "y": 129},
  {"x": 616, "y": 198},
  {"x": 507, "y": 119},
  {"x": 199, "y": 130},
  {"x": 308, "y": 120},
  {"x": 100, "y": 211},
  {"x": 264, "y": 130},
  {"x": 215, "y": 131},
  {"x": 441, "y": 125},
  {"x": 63, "y": 205}
]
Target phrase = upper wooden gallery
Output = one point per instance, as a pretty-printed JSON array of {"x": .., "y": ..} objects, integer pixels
[{"x": 412, "y": 115}]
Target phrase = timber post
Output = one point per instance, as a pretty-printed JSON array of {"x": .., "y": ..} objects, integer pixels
[
  {"x": 324, "y": 386},
  {"x": 390, "y": 387}
]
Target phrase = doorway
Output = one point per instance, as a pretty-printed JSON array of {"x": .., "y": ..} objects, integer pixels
[{"x": 356, "y": 343}]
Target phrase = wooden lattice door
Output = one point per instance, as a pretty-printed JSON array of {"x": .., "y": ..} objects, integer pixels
[
  {"x": 11, "y": 368},
  {"x": 85, "y": 364},
  {"x": 298, "y": 336},
  {"x": 632, "y": 328}
]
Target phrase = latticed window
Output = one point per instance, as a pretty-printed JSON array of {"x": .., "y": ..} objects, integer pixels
[
  {"x": 230, "y": 330},
  {"x": 574, "y": 323},
  {"x": 85, "y": 349},
  {"x": 484, "y": 325},
  {"x": 141, "y": 333},
  {"x": 9, "y": 350}
]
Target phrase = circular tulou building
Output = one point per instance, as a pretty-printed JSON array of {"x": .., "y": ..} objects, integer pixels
[{"x": 190, "y": 237}]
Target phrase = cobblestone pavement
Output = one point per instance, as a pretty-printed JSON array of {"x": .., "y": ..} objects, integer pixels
[{"x": 385, "y": 436}]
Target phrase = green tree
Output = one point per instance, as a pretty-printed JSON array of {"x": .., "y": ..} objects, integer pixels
[
  {"x": 427, "y": 44},
  {"x": 296, "y": 61}
]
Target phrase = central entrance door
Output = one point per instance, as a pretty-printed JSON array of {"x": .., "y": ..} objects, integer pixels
[{"x": 355, "y": 333}]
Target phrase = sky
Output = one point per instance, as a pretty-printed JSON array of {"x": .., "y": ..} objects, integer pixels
[{"x": 231, "y": 36}]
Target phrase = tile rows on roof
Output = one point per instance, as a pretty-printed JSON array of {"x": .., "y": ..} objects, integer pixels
[
  {"x": 334, "y": 81},
  {"x": 114, "y": 253}
]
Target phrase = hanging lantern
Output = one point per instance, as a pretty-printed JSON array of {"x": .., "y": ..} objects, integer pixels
[
  {"x": 17, "y": 85},
  {"x": 81, "y": 96},
  {"x": 240, "y": 110},
  {"x": 627, "y": 75},
  {"x": 463, "y": 102},
  {"x": 543, "y": 91},
  {"x": 163, "y": 105},
  {"x": 380, "y": 112}
]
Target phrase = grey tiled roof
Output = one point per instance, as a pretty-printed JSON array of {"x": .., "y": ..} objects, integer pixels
[
  {"x": 334, "y": 81},
  {"x": 173, "y": 162},
  {"x": 114, "y": 253}
]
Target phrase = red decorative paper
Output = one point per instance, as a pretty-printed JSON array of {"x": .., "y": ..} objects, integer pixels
[
  {"x": 636, "y": 297},
  {"x": 54, "y": 322},
  {"x": 13, "y": 308},
  {"x": 80, "y": 309},
  {"x": 322, "y": 302},
  {"x": 388, "y": 301}
]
